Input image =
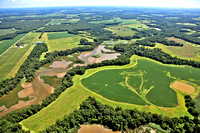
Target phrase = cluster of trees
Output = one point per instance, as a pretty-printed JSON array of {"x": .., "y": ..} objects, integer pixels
[
  {"x": 190, "y": 104},
  {"x": 93, "y": 112},
  {"x": 21, "y": 27},
  {"x": 27, "y": 69}
]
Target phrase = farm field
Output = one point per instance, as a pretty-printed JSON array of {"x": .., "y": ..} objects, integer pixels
[
  {"x": 190, "y": 24},
  {"x": 70, "y": 99},
  {"x": 58, "y": 35},
  {"x": 7, "y": 31},
  {"x": 188, "y": 51},
  {"x": 121, "y": 30},
  {"x": 4, "y": 45},
  {"x": 30, "y": 38},
  {"x": 12, "y": 60},
  {"x": 117, "y": 19}
]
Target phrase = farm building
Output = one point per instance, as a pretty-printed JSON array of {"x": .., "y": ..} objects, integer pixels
[{"x": 38, "y": 42}]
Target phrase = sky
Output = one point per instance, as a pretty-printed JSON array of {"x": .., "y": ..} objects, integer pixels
[{"x": 146, "y": 3}]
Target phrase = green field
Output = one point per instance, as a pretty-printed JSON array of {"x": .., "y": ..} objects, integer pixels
[
  {"x": 188, "y": 51},
  {"x": 7, "y": 31},
  {"x": 52, "y": 80},
  {"x": 123, "y": 21},
  {"x": 59, "y": 21},
  {"x": 4, "y": 45},
  {"x": 190, "y": 24},
  {"x": 58, "y": 35},
  {"x": 30, "y": 38},
  {"x": 70, "y": 99},
  {"x": 63, "y": 43},
  {"x": 10, "y": 59},
  {"x": 121, "y": 30}
]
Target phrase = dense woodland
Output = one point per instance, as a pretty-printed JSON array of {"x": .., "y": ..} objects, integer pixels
[{"x": 91, "y": 111}]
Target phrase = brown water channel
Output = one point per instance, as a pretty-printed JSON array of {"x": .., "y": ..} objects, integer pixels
[{"x": 39, "y": 90}]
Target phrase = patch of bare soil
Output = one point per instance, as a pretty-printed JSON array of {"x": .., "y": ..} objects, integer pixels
[
  {"x": 60, "y": 64},
  {"x": 183, "y": 87},
  {"x": 2, "y": 108},
  {"x": 95, "y": 129},
  {"x": 27, "y": 91}
]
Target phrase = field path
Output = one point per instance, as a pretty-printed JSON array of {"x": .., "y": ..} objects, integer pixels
[{"x": 14, "y": 44}]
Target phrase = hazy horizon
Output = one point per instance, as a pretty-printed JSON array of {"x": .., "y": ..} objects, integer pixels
[{"x": 130, "y": 3}]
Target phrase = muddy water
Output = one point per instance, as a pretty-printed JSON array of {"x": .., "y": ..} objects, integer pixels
[
  {"x": 39, "y": 90},
  {"x": 88, "y": 59}
]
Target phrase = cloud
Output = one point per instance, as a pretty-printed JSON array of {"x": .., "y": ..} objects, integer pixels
[{"x": 13, "y": 0}]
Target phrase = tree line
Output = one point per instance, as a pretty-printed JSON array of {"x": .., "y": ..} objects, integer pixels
[{"x": 92, "y": 111}]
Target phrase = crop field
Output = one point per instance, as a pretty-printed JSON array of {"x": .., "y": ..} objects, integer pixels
[
  {"x": 63, "y": 43},
  {"x": 58, "y": 35},
  {"x": 121, "y": 30},
  {"x": 30, "y": 38},
  {"x": 4, "y": 45},
  {"x": 7, "y": 31},
  {"x": 52, "y": 80},
  {"x": 188, "y": 51},
  {"x": 13, "y": 57},
  {"x": 70, "y": 99}
]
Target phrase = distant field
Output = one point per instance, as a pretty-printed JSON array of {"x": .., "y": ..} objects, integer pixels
[
  {"x": 188, "y": 51},
  {"x": 123, "y": 21},
  {"x": 121, "y": 30},
  {"x": 7, "y": 31},
  {"x": 4, "y": 45},
  {"x": 58, "y": 35},
  {"x": 191, "y": 24},
  {"x": 9, "y": 60},
  {"x": 59, "y": 21},
  {"x": 63, "y": 43},
  {"x": 137, "y": 26},
  {"x": 70, "y": 99}
]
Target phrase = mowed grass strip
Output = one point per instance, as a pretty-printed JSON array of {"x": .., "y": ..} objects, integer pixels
[
  {"x": 10, "y": 59},
  {"x": 70, "y": 100},
  {"x": 4, "y": 45},
  {"x": 58, "y": 35}
]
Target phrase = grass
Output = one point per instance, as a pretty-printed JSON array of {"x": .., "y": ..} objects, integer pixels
[
  {"x": 121, "y": 30},
  {"x": 96, "y": 56},
  {"x": 30, "y": 38},
  {"x": 58, "y": 35},
  {"x": 188, "y": 51},
  {"x": 4, "y": 45},
  {"x": 70, "y": 100},
  {"x": 52, "y": 80},
  {"x": 12, "y": 59},
  {"x": 7, "y": 31},
  {"x": 63, "y": 43}
]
